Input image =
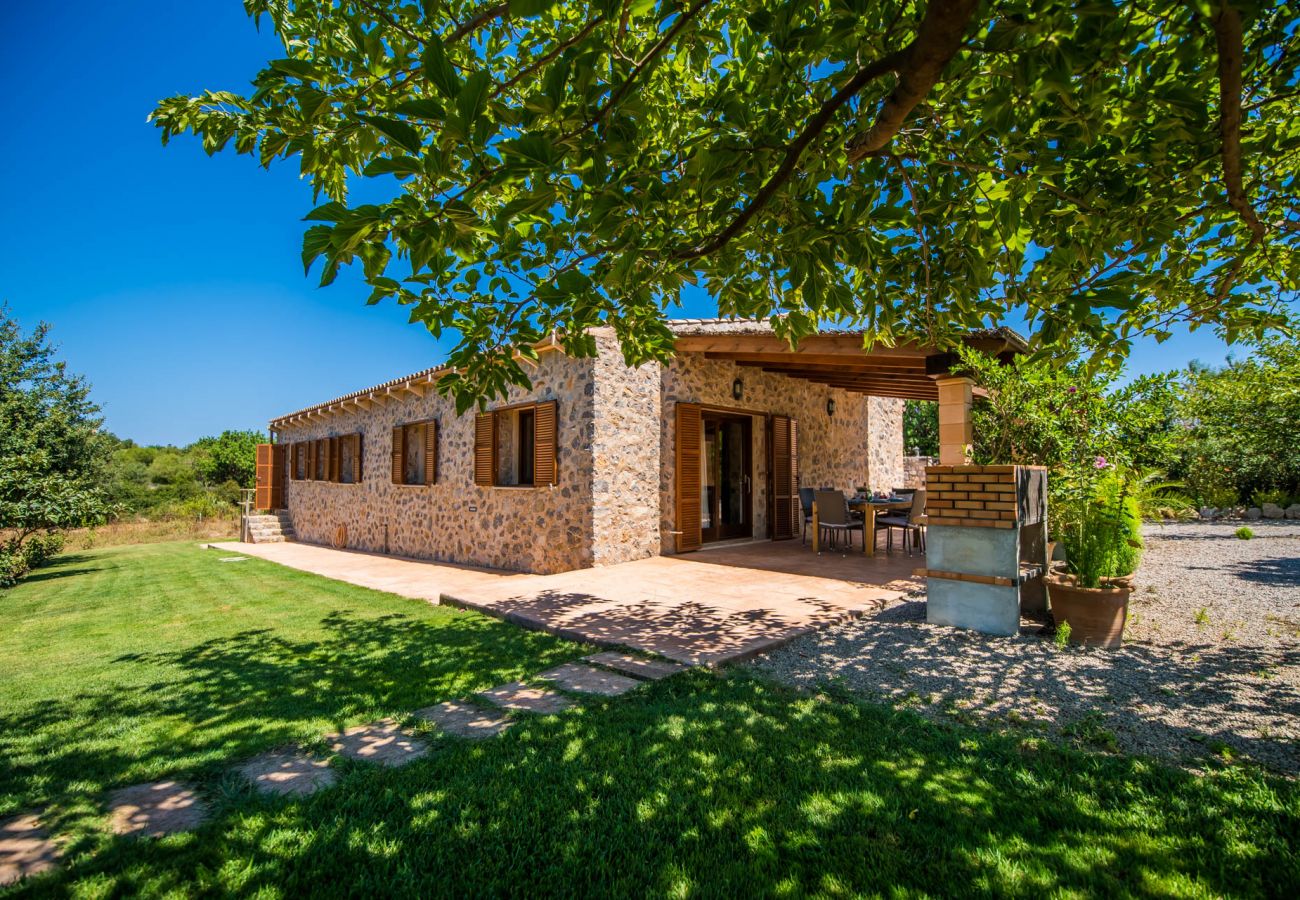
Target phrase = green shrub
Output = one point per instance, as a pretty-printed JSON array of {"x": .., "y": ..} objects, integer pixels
[
  {"x": 1281, "y": 498},
  {"x": 1102, "y": 533},
  {"x": 19, "y": 556},
  {"x": 1244, "y": 533}
]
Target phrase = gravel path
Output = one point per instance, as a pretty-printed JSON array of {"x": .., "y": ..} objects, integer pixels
[{"x": 1210, "y": 664}]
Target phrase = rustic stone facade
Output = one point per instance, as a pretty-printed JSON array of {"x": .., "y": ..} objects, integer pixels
[
  {"x": 613, "y": 500},
  {"x": 914, "y": 470},
  {"x": 533, "y": 529},
  {"x": 861, "y": 445}
]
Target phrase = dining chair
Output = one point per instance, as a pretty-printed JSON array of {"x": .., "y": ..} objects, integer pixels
[
  {"x": 806, "y": 504},
  {"x": 834, "y": 519},
  {"x": 912, "y": 524}
]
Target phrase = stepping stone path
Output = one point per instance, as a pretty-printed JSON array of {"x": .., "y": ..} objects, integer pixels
[
  {"x": 25, "y": 849},
  {"x": 650, "y": 669},
  {"x": 517, "y": 695},
  {"x": 586, "y": 680},
  {"x": 465, "y": 719},
  {"x": 382, "y": 742},
  {"x": 156, "y": 809},
  {"x": 289, "y": 773}
]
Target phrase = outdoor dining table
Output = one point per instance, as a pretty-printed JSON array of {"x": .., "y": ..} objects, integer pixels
[{"x": 870, "y": 509}]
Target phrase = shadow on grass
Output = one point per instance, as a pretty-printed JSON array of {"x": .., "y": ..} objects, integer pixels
[
  {"x": 202, "y": 708},
  {"x": 735, "y": 786}
]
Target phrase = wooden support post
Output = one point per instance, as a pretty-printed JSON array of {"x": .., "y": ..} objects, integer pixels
[
  {"x": 817, "y": 530},
  {"x": 955, "y": 433}
]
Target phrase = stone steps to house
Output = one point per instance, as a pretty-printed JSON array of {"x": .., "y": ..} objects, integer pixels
[{"x": 270, "y": 529}]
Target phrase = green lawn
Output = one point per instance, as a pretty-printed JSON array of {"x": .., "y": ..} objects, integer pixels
[{"x": 138, "y": 662}]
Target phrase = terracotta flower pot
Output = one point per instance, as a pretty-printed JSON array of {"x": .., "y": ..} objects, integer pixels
[{"x": 1096, "y": 615}]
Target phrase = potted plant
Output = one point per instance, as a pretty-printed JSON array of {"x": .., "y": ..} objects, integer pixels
[{"x": 1100, "y": 529}]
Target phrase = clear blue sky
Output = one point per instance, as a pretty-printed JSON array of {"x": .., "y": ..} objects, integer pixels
[{"x": 172, "y": 279}]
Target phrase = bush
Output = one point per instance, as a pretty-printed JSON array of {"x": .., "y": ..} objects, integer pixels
[
  {"x": 19, "y": 556},
  {"x": 1102, "y": 533},
  {"x": 1281, "y": 498},
  {"x": 1244, "y": 533}
]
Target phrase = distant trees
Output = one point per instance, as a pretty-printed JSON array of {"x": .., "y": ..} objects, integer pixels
[
  {"x": 921, "y": 428},
  {"x": 52, "y": 452},
  {"x": 231, "y": 456},
  {"x": 200, "y": 479}
]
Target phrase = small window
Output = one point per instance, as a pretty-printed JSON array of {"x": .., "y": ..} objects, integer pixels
[
  {"x": 516, "y": 443},
  {"x": 349, "y": 455},
  {"x": 415, "y": 453},
  {"x": 515, "y": 446},
  {"x": 322, "y": 467},
  {"x": 299, "y": 461}
]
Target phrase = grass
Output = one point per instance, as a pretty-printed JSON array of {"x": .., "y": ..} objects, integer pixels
[{"x": 705, "y": 784}]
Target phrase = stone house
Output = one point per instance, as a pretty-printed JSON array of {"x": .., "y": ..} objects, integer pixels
[{"x": 599, "y": 463}]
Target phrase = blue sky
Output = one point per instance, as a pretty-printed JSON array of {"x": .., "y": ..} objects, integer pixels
[{"x": 172, "y": 279}]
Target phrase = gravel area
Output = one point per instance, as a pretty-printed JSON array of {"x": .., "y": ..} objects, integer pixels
[{"x": 1210, "y": 666}]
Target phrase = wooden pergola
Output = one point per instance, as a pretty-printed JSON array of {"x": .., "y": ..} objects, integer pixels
[{"x": 838, "y": 360}]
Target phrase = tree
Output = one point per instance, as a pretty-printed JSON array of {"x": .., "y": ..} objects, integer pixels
[
  {"x": 912, "y": 168},
  {"x": 1241, "y": 422},
  {"x": 921, "y": 427},
  {"x": 232, "y": 456},
  {"x": 51, "y": 450}
]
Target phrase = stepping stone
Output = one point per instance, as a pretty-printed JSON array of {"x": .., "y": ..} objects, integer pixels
[
  {"x": 586, "y": 680},
  {"x": 288, "y": 773},
  {"x": 649, "y": 669},
  {"x": 465, "y": 720},
  {"x": 382, "y": 742},
  {"x": 517, "y": 695},
  {"x": 25, "y": 849},
  {"x": 157, "y": 809}
]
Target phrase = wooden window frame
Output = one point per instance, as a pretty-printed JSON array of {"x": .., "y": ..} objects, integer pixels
[
  {"x": 545, "y": 464},
  {"x": 397, "y": 453}
]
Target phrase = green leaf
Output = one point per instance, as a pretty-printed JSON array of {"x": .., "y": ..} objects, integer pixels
[
  {"x": 473, "y": 97},
  {"x": 439, "y": 70},
  {"x": 401, "y": 166},
  {"x": 403, "y": 134},
  {"x": 523, "y": 9}
]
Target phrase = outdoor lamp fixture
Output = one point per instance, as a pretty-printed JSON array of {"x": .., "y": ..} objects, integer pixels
[
  {"x": 830, "y": 406},
  {"x": 737, "y": 389}
]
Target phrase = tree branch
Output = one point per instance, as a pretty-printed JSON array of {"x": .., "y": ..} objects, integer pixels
[
  {"x": 544, "y": 60},
  {"x": 788, "y": 165},
  {"x": 1228, "y": 36},
  {"x": 937, "y": 41},
  {"x": 646, "y": 61},
  {"x": 477, "y": 21}
]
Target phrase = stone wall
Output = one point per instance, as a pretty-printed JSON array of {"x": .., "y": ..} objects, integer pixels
[
  {"x": 844, "y": 451},
  {"x": 627, "y": 456},
  {"x": 543, "y": 529},
  {"x": 914, "y": 470}
]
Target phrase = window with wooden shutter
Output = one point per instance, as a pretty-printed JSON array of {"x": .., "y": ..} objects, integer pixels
[
  {"x": 544, "y": 427},
  {"x": 336, "y": 464},
  {"x": 783, "y": 442},
  {"x": 485, "y": 449},
  {"x": 399, "y": 454},
  {"x": 430, "y": 452},
  {"x": 356, "y": 458},
  {"x": 688, "y": 476},
  {"x": 311, "y": 460}
]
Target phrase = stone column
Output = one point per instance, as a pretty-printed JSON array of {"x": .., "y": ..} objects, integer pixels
[{"x": 954, "y": 419}]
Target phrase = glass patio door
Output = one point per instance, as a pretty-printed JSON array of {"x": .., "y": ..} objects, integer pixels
[{"x": 726, "y": 478}]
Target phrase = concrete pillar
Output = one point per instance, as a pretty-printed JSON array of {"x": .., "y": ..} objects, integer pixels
[{"x": 954, "y": 419}]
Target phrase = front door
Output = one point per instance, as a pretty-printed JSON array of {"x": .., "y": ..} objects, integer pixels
[{"x": 727, "y": 482}]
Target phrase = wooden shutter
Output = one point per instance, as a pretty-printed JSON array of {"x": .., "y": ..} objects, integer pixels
[
  {"x": 544, "y": 425},
  {"x": 399, "y": 455},
  {"x": 430, "y": 452},
  {"x": 356, "y": 458},
  {"x": 689, "y": 429},
  {"x": 264, "y": 473},
  {"x": 784, "y": 479},
  {"x": 311, "y": 460},
  {"x": 277, "y": 476},
  {"x": 485, "y": 449},
  {"x": 336, "y": 464}
]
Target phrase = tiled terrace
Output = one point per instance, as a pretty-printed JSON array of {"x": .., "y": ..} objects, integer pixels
[{"x": 714, "y": 606}]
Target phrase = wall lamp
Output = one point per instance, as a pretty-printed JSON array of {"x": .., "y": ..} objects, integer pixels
[
  {"x": 737, "y": 389},
  {"x": 830, "y": 406}
]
